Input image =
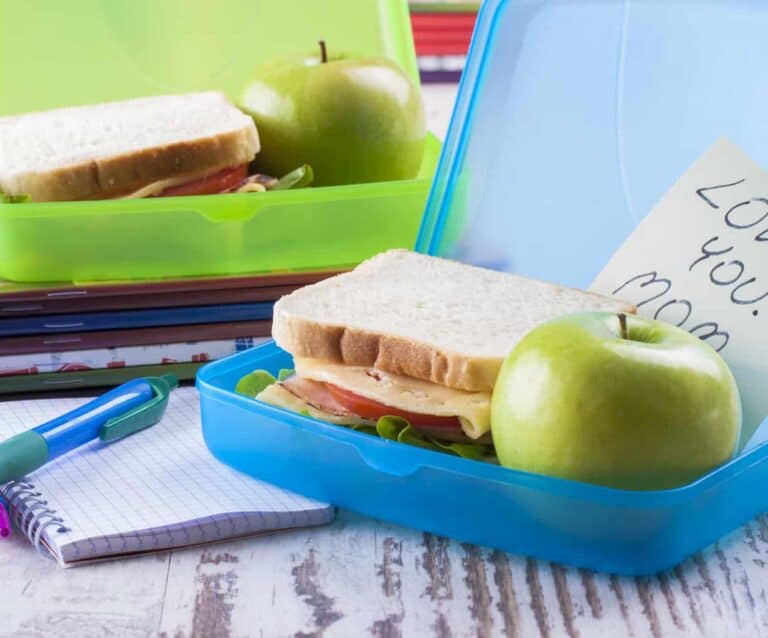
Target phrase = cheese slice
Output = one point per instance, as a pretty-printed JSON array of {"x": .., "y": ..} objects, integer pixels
[
  {"x": 405, "y": 393},
  {"x": 252, "y": 187},
  {"x": 158, "y": 187}
]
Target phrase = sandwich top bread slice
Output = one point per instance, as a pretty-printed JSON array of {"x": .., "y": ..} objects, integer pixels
[
  {"x": 138, "y": 147},
  {"x": 424, "y": 317}
]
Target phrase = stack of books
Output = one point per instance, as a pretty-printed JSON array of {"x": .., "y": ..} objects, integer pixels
[
  {"x": 442, "y": 32},
  {"x": 55, "y": 336}
]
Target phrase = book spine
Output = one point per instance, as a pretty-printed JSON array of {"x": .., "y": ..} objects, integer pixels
[
  {"x": 123, "y": 357},
  {"x": 31, "y": 513}
]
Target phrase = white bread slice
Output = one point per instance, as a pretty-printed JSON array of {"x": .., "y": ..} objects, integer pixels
[
  {"x": 423, "y": 317},
  {"x": 112, "y": 149}
]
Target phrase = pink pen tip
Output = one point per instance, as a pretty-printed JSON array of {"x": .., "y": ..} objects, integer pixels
[{"x": 5, "y": 523}]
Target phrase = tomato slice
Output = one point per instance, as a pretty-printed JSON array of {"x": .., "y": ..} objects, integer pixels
[
  {"x": 209, "y": 185},
  {"x": 370, "y": 409}
]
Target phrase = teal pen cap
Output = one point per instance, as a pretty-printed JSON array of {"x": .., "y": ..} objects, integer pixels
[{"x": 22, "y": 454}]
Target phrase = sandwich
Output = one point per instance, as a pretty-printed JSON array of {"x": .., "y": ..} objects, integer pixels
[
  {"x": 414, "y": 340},
  {"x": 189, "y": 144}
]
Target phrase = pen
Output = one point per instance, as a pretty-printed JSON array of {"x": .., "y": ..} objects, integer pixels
[{"x": 131, "y": 407}]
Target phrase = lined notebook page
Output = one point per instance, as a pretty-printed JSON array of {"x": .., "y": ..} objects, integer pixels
[{"x": 159, "y": 488}]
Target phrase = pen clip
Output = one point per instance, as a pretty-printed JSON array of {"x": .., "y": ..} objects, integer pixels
[{"x": 143, "y": 416}]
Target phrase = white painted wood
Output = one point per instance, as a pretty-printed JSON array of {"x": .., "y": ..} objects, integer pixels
[
  {"x": 361, "y": 577},
  {"x": 40, "y": 599}
]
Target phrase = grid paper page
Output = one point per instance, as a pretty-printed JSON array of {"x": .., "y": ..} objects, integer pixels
[{"x": 160, "y": 487}]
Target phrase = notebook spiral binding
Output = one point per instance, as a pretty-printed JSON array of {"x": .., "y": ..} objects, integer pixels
[{"x": 30, "y": 512}]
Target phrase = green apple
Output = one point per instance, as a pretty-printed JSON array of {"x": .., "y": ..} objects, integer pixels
[
  {"x": 353, "y": 120},
  {"x": 616, "y": 400}
]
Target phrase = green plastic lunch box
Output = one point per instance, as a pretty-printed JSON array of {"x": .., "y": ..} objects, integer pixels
[{"x": 56, "y": 54}]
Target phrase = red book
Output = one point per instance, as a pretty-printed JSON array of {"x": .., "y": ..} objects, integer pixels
[{"x": 438, "y": 35}]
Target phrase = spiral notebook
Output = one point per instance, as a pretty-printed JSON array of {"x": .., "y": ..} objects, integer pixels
[{"x": 156, "y": 490}]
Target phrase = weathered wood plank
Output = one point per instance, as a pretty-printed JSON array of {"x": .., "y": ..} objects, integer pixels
[
  {"x": 38, "y": 599},
  {"x": 361, "y": 577}
]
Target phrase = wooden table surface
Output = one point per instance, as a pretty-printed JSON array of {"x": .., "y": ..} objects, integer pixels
[{"x": 359, "y": 577}]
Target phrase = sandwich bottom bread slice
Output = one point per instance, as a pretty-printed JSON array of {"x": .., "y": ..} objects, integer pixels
[{"x": 409, "y": 346}]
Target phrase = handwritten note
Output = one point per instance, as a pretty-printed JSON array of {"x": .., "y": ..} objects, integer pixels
[{"x": 699, "y": 260}]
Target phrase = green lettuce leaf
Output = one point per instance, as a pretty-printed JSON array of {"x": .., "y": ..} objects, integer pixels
[
  {"x": 285, "y": 373},
  {"x": 389, "y": 427},
  {"x": 367, "y": 429},
  {"x": 474, "y": 451},
  {"x": 251, "y": 384},
  {"x": 13, "y": 199},
  {"x": 396, "y": 428},
  {"x": 413, "y": 437},
  {"x": 298, "y": 178}
]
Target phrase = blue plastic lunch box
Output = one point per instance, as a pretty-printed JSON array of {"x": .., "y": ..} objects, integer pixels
[{"x": 573, "y": 119}]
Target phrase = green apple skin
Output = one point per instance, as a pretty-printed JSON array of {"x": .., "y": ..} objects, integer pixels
[
  {"x": 576, "y": 400},
  {"x": 352, "y": 120}
]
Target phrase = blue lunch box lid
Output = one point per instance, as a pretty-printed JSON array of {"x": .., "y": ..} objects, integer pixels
[{"x": 574, "y": 117}]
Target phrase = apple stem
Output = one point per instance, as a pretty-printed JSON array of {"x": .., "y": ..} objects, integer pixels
[
  {"x": 323, "y": 52},
  {"x": 623, "y": 325}
]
